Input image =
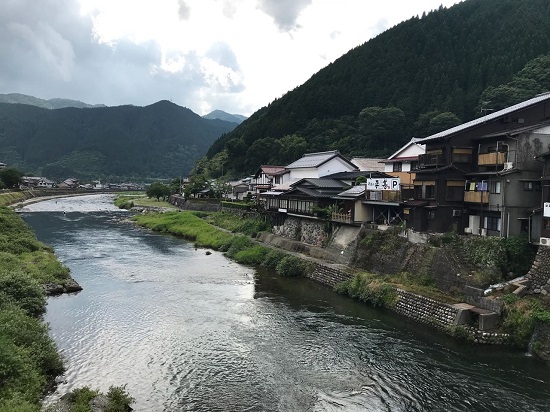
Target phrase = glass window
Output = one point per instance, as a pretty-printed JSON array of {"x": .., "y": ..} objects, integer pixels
[
  {"x": 528, "y": 186},
  {"x": 430, "y": 192},
  {"x": 397, "y": 167},
  {"x": 492, "y": 223},
  {"x": 495, "y": 186}
]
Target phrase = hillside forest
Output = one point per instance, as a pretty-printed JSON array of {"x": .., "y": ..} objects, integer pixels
[
  {"x": 422, "y": 76},
  {"x": 121, "y": 143}
]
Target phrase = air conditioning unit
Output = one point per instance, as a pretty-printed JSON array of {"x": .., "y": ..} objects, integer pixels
[
  {"x": 457, "y": 212},
  {"x": 544, "y": 241},
  {"x": 483, "y": 232},
  {"x": 468, "y": 230},
  {"x": 508, "y": 165}
]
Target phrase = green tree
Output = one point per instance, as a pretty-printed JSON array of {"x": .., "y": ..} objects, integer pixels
[
  {"x": 158, "y": 190},
  {"x": 11, "y": 177}
]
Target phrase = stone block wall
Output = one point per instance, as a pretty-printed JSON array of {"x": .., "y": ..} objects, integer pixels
[
  {"x": 307, "y": 231},
  {"x": 425, "y": 310},
  {"x": 328, "y": 275},
  {"x": 539, "y": 274},
  {"x": 430, "y": 312}
]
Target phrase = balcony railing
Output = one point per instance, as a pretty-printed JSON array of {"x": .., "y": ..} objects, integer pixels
[
  {"x": 430, "y": 160},
  {"x": 489, "y": 159},
  {"x": 476, "y": 197}
]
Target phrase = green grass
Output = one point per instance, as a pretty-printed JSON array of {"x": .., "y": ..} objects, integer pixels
[
  {"x": 8, "y": 198},
  {"x": 140, "y": 200},
  {"x": 237, "y": 224}
]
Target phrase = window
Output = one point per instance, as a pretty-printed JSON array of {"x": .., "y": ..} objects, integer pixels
[
  {"x": 495, "y": 186},
  {"x": 430, "y": 191},
  {"x": 546, "y": 224},
  {"x": 414, "y": 165},
  {"x": 397, "y": 167},
  {"x": 492, "y": 223},
  {"x": 528, "y": 186},
  {"x": 454, "y": 190},
  {"x": 431, "y": 214},
  {"x": 462, "y": 155}
]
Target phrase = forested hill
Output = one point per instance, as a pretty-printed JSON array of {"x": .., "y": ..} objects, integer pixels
[
  {"x": 162, "y": 140},
  {"x": 419, "y": 77}
]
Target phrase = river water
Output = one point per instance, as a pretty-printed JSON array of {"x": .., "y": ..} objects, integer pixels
[{"x": 187, "y": 331}]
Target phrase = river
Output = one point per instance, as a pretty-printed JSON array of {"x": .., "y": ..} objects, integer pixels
[{"x": 188, "y": 331}]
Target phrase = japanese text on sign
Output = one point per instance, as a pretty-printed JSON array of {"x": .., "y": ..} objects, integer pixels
[{"x": 389, "y": 183}]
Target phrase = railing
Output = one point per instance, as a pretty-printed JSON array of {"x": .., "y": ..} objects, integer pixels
[
  {"x": 476, "y": 197},
  {"x": 488, "y": 159},
  {"x": 430, "y": 159},
  {"x": 341, "y": 217}
]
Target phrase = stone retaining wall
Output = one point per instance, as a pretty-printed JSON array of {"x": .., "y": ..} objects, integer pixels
[
  {"x": 425, "y": 310},
  {"x": 328, "y": 275},
  {"x": 310, "y": 231},
  {"x": 442, "y": 316},
  {"x": 197, "y": 205},
  {"x": 539, "y": 274}
]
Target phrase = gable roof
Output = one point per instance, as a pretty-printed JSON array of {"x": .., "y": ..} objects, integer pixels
[
  {"x": 367, "y": 163},
  {"x": 269, "y": 170},
  {"x": 523, "y": 105},
  {"x": 317, "y": 159},
  {"x": 413, "y": 142},
  {"x": 355, "y": 174},
  {"x": 321, "y": 183},
  {"x": 355, "y": 191}
]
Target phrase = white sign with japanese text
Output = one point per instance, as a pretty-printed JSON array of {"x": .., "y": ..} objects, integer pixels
[
  {"x": 546, "y": 209},
  {"x": 384, "y": 183}
]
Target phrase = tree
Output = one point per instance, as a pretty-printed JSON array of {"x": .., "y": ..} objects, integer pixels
[
  {"x": 158, "y": 190},
  {"x": 11, "y": 177}
]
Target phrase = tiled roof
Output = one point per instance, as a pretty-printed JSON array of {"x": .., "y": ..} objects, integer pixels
[
  {"x": 313, "y": 159},
  {"x": 371, "y": 164},
  {"x": 354, "y": 191},
  {"x": 269, "y": 170},
  {"x": 321, "y": 183},
  {"x": 356, "y": 174},
  {"x": 537, "y": 99}
]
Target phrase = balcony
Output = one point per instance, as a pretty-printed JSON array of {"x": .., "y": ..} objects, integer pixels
[
  {"x": 431, "y": 160},
  {"x": 384, "y": 195},
  {"x": 476, "y": 197},
  {"x": 491, "y": 159}
]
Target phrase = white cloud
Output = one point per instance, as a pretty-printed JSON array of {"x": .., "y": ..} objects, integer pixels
[{"x": 234, "y": 55}]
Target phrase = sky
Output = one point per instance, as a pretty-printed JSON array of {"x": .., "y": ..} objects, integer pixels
[{"x": 232, "y": 55}]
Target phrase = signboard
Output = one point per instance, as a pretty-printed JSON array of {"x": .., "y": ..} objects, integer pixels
[
  {"x": 546, "y": 209},
  {"x": 384, "y": 183}
]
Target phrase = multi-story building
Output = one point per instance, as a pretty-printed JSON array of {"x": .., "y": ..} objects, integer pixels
[{"x": 482, "y": 177}]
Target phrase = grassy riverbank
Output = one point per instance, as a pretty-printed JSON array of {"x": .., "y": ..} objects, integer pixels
[
  {"x": 128, "y": 201},
  {"x": 29, "y": 360},
  {"x": 199, "y": 228}
]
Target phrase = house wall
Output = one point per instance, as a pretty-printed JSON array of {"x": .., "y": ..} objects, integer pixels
[
  {"x": 303, "y": 173},
  {"x": 362, "y": 213},
  {"x": 334, "y": 165}
]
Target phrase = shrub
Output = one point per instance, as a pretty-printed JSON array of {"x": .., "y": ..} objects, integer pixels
[
  {"x": 253, "y": 255},
  {"x": 292, "y": 266},
  {"x": 272, "y": 258},
  {"x": 23, "y": 291},
  {"x": 119, "y": 399},
  {"x": 366, "y": 288}
]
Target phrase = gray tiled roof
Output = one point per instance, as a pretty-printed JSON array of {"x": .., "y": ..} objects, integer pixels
[
  {"x": 354, "y": 191},
  {"x": 322, "y": 183},
  {"x": 313, "y": 159},
  {"x": 371, "y": 164},
  {"x": 492, "y": 116}
]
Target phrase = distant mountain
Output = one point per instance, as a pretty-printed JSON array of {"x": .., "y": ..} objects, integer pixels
[
  {"x": 162, "y": 140},
  {"x": 55, "y": 103},
  {"x": 423, "y": 75},
  {"x": 220, "y": 114}
]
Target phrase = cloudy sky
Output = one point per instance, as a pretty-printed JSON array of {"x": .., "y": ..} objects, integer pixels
[{"x": 233, "y": 55}]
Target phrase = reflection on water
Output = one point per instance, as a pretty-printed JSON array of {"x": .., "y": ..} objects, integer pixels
[{"x": 190, "y": 331}]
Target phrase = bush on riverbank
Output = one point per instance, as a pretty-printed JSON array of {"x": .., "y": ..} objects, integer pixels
[
  {"x": 238, "y": 247},
  {"x": 250, "y": 226},
  {"x": 521, "y": 316},
  {"x": 28, "y": 357},
  {"x": 370, "y": 289}
]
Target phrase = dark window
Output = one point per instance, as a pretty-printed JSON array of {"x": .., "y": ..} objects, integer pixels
[
  {"x": 528, "y": 186},
  {"x": 454, "y": 193},
  {"x": 397, "y": 167},
  {"x": 414, "y": 165},
  {"x": 495, "y": 186},
  {"x": 431, "y": 214},
  {"x": 492, "y": 223},
  {"x": 546, "y": 224},
  {"x": 430, "y": 192}
]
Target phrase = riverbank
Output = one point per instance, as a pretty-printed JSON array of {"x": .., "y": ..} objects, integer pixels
[{"x": 407, "y": 295}]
